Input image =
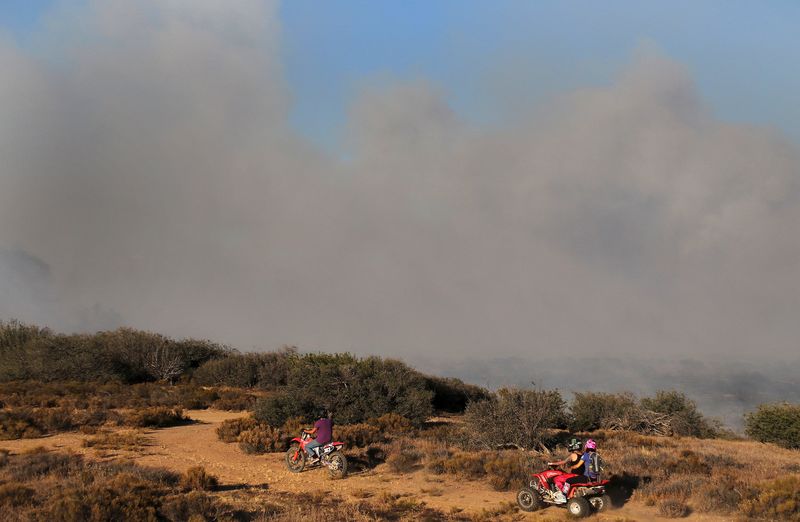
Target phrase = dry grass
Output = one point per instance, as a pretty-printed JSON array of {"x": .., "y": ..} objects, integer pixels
[{"x": 129, "y": 441}]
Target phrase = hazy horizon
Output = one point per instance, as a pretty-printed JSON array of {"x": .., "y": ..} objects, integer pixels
[{"x": 153, "y": 175}]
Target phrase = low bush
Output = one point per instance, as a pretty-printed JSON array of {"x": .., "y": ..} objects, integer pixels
[
  {"x": 508, "y": 470},
  {"x": 404, "y": 458},
  {"x": 263, "y": 439},
  {"x": 776, "y": 423},
  {"x": 160, "y": 417},
  {"x": 197, "y": 478},
  {"x": 685, "y": 463},
  {"x": 775, "y": 500},
  {"x": 229, "y": 430}
]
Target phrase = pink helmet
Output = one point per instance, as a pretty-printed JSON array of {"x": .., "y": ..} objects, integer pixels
[{"x": 590, "y": 444}]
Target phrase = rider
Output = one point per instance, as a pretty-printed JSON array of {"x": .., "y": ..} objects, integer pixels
[
  {"x": 573, "y": 466},
  {"x": 323, "y": 429},
  {"x": 588, "y": 450}
]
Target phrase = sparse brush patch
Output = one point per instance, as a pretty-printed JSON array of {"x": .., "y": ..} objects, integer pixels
[
  {"x": 159, "y": 417},
  {"x": 39, "y": 462},
  {"x": 263, "y": 439},
  {"x": 775, "y": 500},
  {"x": 687, "y": 462},
  {"x": 15, "y": 494},
  {"x": 229, "y": 430},
  {"x": 721, "y": 494},
  {"x": 197, "y": 478},
  {"x": 4, "y": 453},
  {"x": 117, "y": 441},
  {"x": 404, "y": 458},
  {"x": 671, "y": 508},
  {"x": 507, "y": 470},
  {"x": 104, "y": 491},
  {"x": 678, "y": 488}
]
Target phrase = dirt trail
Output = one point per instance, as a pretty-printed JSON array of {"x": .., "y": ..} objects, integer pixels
[{"x": 182, "y": 447}]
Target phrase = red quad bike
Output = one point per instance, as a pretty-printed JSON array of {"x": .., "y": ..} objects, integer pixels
[
  {"x": 327, "y": 455},
  {"x": 581, "y": 500}
]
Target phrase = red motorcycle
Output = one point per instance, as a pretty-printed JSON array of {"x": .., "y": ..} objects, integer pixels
[
  {"x": 328, "y": 455},
  {"x": 581, "y": 500}
]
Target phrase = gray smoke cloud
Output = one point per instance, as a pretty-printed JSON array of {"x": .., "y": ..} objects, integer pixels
[{"x": 149, "y": 172}]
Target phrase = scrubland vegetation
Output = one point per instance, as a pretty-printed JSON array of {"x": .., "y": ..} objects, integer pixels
[{"x": 659, "y": 450}]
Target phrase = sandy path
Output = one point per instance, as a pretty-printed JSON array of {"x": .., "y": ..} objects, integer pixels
[{"x": 182, "y": 447}]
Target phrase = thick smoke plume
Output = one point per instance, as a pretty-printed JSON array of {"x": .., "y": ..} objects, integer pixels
[{"x": 149, "y": 177}]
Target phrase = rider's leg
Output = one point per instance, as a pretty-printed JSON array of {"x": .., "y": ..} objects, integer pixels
[{"x": 310, "y": 448}]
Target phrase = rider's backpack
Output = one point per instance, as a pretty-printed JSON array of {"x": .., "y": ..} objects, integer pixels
[{"x": 596, "y": 463}]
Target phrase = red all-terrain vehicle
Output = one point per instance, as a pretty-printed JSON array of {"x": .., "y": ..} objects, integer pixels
[
  {"x": 580, "y": 502},
  {"x": 328, "y": 455}
]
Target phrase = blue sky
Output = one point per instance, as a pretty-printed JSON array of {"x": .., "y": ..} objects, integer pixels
[{"x": 491, "y": 56}]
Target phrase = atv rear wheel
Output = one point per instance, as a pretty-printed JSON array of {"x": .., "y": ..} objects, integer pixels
[
  {"x": 601, "y": 503},
  {"x": 296, "y": 459},
  {"x": 579, "y": 507},
  {"x": 337, "y": 465},
  {"x": 529, "y": 500}
]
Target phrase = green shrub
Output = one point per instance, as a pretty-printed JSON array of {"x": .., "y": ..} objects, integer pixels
[
  {"x": 591, "y": 410},
  {"x": 514, "y": 417},
  {"x": 355, "y": 390},
  {"x": 685, "y": 419},
  {"x": 452, "y": 395},
  {"x": 776, "y": 423},
  {"x": 251, "y": 370},
  {"x": 358, "y": 435}
]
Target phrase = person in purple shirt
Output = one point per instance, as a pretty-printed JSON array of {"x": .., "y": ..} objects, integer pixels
[{"x": 323, "y": 429}]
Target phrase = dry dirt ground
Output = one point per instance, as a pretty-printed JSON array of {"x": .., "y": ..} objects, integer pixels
[{"x": 196, "y": 444}]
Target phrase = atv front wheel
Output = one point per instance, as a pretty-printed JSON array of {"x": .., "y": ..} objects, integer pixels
[
  {"x": 296, "y": 459},
  {"x": 337, "y": 465},
  {"x": 529, "y": 500},
  {"x": 579, "y": 507},
  {"x": 600, "y": 503}
]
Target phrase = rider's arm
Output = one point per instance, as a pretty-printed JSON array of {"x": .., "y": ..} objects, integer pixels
[
  {"x": 312, "y": 431},
  {"x": 576, "y": 465}
]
